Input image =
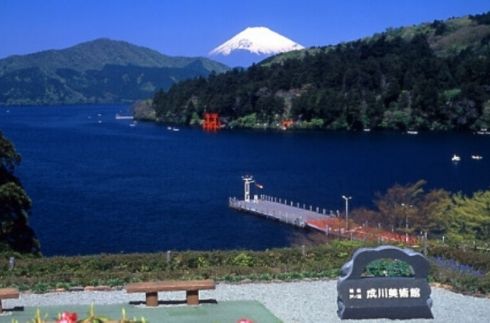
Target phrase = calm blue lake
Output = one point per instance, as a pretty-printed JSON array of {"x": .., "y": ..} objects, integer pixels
[{"x": 109, "y": 187}]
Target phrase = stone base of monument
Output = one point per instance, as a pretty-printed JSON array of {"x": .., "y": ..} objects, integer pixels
[{"x": 399, "y": 313}]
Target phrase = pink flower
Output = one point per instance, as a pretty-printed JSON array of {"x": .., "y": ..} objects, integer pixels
[
  {"x": 68, "y": 317},
  {"x": 245, "y": 320}
]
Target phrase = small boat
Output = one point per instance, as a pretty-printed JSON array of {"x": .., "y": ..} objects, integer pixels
[
  {"x": 366, "y": 130},
  {"x": 476, "y": 157},
  {"x": 132, "y": 124},
  {"x": 175, "y": 129},
  {"x": 169, "y": 128},
  {"x": 455, "y": 158},
  {"x": 121, "y": 117},
  {"x": 99, "y": 121},
  {"x": 412, "y": 132}
]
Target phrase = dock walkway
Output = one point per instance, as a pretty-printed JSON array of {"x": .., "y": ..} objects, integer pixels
[
  {"x": 279, "y": 209},
  {"x": 299, "y": 215}
]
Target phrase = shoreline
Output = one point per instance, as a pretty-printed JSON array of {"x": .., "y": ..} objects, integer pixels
[{"x": 272, "y": 129}]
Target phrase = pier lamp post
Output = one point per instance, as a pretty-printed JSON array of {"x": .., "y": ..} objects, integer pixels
[
  {"x": 346, "y": 198},
  {"x": 404, "y": 206},
  {"x": 247, "y": 179}
]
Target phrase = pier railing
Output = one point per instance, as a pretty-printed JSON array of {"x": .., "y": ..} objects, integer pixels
[
  {"x": 269, "y": 210},
  {"x": 301, "y": 216},
  {"x": 297, "y": 205}
]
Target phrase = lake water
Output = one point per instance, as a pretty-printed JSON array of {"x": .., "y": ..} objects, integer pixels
[{"x": 109, "y": 187}]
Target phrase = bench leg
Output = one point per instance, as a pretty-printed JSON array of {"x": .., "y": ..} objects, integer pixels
[
  {"x": 152, "y": 299},
  {"x": 192, "y": 297}
]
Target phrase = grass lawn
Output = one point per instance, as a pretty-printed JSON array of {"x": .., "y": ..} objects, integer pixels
[{"x": 222, "y": 312}]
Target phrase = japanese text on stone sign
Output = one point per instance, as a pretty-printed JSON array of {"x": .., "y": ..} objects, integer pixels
[{"x": 377, "y": 293}]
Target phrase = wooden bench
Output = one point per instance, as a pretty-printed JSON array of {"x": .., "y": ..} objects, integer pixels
[
  {"x": 151, "y": 289},
  {"x": 7, "y": 293}
]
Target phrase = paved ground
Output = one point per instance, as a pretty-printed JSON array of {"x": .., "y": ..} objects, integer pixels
[{"x": 296, "y": 302}]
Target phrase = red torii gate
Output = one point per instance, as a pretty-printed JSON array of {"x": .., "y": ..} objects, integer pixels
[{"x": 211, "y": 122}]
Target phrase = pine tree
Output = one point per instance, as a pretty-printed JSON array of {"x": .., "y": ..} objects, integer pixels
[{"x": 15, "y": 204}]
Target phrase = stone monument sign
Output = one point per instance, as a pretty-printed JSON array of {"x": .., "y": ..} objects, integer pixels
[{"x": 361, "y": 297}]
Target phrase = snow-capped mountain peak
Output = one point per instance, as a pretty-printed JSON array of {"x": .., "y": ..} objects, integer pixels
[{"x": 257, "y": 40}]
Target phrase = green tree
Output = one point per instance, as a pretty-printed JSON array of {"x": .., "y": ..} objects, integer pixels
[
  {"x": 15, "y": 205},
  {"x": 484, "y": 121},
  {"x": 399, "y": 205},
  {"x": 433, "y": 212},
  {"x": 438, "y": 212},
  {"x": 470, "y": 217}
]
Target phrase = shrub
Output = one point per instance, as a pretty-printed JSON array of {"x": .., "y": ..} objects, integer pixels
[
  {"x": 243, "y": 260},
  {"x": 389, "y": 268}
]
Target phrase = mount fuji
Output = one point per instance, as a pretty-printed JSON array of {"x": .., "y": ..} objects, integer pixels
[{"x": 252, "y": 45}]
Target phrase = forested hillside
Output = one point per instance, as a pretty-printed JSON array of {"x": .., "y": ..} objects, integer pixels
[
  {"x": 99, "y": 71},
  {"x": 432, "y": 76}
]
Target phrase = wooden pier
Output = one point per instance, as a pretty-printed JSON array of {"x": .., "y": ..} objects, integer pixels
[
  {"x": 279, "y": 209},
  {"x": 299, "y": 215}
]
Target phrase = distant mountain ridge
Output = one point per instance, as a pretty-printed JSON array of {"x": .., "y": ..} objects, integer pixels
[{"x": 98, "y": 71}]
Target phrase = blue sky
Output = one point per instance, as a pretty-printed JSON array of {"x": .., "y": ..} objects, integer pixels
[{"x": 194, "y": 27}]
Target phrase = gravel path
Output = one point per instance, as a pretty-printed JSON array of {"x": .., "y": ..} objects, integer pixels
[{"x": 304, "y": 302}]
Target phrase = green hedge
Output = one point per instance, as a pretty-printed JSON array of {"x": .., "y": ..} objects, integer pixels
[{"x": 321, "y": 261}]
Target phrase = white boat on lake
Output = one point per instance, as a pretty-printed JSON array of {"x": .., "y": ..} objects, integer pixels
[
  {"x": 476, "y": 157},
  {"x": 122, "y": 117},
  {"x": 412, "y": 132},
  {"x": 455, "y": 158}
]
